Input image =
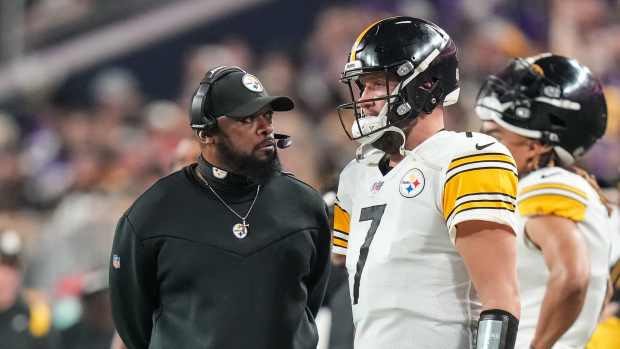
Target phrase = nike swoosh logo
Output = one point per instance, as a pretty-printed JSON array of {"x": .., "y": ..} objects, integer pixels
[
  {"x": 549, "y": 175},
  {"x": 480, "y": 147}
]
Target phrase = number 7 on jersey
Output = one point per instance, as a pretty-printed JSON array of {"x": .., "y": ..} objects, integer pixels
[{"x": 373, "y": 214}]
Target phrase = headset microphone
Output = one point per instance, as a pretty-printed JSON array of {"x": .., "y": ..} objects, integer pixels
[{"x": 283, "y": 141}]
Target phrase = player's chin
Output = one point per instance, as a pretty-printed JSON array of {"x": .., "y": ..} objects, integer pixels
[{"x": 390, "y": 142}]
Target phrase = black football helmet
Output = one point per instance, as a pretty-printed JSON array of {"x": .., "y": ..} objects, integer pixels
[
  {"x": 551, "y": 98},
  {"x": 415, "y": 52}
]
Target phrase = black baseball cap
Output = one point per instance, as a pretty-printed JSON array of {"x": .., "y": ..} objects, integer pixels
[{"x": 240, "y": 94}]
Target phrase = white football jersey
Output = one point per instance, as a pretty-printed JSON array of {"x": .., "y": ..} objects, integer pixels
[
  {"x": 556, "y": 191},
  {"x": 409, "y": 287}
]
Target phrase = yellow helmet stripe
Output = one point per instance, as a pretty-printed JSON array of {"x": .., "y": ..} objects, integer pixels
[{"x": 360, "y": 37}]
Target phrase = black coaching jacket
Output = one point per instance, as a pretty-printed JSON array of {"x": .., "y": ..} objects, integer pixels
[{"x": 179, "y": 277}]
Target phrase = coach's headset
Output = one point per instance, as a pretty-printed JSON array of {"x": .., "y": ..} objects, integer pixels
[{"x": 202, "y": 120}]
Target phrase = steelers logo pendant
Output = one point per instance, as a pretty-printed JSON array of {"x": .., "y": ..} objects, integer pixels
[{"x": 240, "y": 230}]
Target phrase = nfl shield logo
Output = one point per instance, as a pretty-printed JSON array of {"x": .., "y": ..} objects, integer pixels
[
  {"x": 116, "y": 262},
  {"x": 376, "y": 187}
]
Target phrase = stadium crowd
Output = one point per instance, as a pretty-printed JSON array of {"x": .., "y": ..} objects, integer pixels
[{"x": 70, "y": 168}]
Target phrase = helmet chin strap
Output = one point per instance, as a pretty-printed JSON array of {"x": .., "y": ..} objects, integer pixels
[
  {"x": 369, "y": 123},
  {"x": 366, "y": 142}
]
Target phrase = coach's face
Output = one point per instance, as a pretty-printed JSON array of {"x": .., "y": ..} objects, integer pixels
[
  {"x": 250, "y": 136},
  {"x": 247, "y": 144}
]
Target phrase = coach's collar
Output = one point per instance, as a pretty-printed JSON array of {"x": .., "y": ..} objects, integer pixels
[{"x": 222, "y": 179}]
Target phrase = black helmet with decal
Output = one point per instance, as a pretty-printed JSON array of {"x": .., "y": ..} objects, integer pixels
[
  {"x": 548, "y": 97},
  {"x": 415, "y": 52}
]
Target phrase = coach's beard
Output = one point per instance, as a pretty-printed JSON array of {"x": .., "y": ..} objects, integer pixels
[{"x": 248, "y": 165}]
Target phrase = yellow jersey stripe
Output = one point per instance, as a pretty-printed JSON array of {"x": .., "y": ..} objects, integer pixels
[
  {"x": 481, "y": 204},
  {"x": 553, "y": 186},
  {"x": 339, "y": 242},
  {"x": 503, "y": 170},
  {"x": 480, "y": 158},
  {"x": 552, "y": 204},
  {"x": 489, "y": 193},
  {"x": 342, "y": 220},
  {"x": 478, "y": 181},
  {"x": 341, "y": 232},
  {"x": 359, "y": 39}
]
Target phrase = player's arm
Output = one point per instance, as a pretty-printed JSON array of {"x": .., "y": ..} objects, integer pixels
[
  {"x": 567, "y": 257},
  {"x": 132, "y": 287},
  {"x": 489, "y": 252},
  {"x": 478, "y": 204}
]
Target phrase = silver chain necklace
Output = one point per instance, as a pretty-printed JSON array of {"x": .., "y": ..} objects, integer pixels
[{"x": 240, "y": 230}]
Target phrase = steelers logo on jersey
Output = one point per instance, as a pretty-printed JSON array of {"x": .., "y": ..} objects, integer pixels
[{"x": 412, "y": 183}]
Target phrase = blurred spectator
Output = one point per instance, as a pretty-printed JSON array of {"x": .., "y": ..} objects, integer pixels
[
  {"x": 25, "y": 317},
  {"x": 604, "y": 158},
  {"x": 95, "y": 328},
  {"x": 203, "y": 58},
  {"x": 186, "y": 152},
  {"x": 73, "y": 236}
]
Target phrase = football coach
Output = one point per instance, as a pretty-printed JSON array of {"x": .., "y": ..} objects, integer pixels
[{"x": 229, "y": 252}]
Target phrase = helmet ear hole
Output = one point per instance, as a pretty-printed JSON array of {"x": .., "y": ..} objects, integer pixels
[{"x": 557, "y": 124}]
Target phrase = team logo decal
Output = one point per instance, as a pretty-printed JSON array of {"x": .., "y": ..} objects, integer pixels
[
  {"x": 251, "y": 83},
  {"x": 412, "y": 183},
  {"x": 219, "y": 173},
  {"x": 240, "y": 230}
]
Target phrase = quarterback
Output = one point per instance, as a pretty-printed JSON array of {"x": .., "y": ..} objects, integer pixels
[
  {"x": 424, "y": 216},
  {"x": 549, "y": 110}
]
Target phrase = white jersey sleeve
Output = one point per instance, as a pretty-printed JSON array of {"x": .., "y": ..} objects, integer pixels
[
  {"x": 342, "y": 212},
  {"x": 479, "y": 183},
  {"x": 553, "y": 192}
]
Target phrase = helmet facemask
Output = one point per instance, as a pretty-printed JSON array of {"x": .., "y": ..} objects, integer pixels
[
  {"x": 415, "y": 93},
  {"x": 368, "y": 128}
]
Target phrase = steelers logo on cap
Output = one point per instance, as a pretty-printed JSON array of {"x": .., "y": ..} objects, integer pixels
[{"x": 251, "y": 83}]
